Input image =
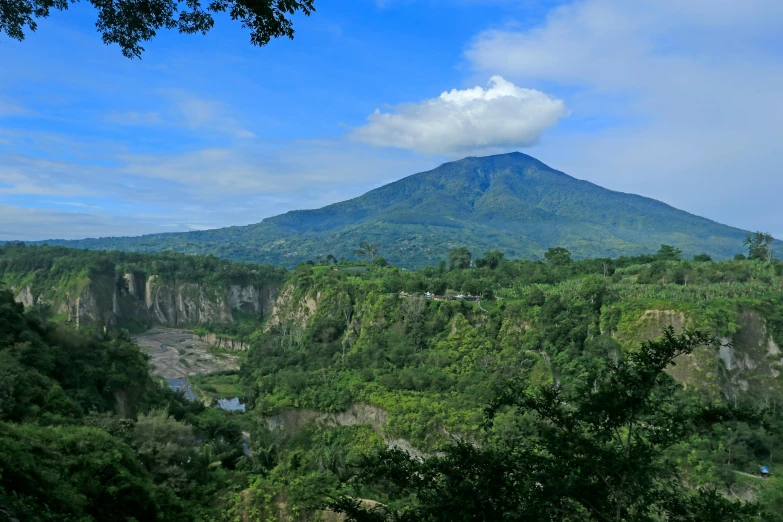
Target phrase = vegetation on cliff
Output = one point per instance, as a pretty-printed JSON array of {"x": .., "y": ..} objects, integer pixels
[
  {"x": 594, "y": 451},
  {"x": 342, "y": 336},
  {"x": 136, "y": 291}
]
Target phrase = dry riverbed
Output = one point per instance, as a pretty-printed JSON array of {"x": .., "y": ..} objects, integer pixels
[{"x": 178, "y": 353}]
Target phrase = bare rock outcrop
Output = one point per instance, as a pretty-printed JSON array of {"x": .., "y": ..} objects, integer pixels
[{"x": 153, "y": 300}]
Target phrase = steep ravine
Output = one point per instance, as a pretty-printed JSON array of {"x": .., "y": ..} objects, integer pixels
[{"x": 133, "y": 299}]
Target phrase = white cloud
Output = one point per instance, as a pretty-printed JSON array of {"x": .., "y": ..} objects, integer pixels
[
  {"x": 675, "y": 100},
  {"x": 459, "y": 122}
]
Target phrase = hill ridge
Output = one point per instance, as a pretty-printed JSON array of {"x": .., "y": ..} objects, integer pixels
[{"x": 512, "y": 202}]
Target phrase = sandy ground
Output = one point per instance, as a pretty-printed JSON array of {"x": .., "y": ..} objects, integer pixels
[{"x": 168, "y": 347}]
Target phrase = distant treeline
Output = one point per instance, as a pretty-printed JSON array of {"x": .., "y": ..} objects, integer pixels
[{"x": 54, "y": 262}]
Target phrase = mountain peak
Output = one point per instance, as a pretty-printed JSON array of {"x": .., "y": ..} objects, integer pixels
[{"x": 511, "y": 202}]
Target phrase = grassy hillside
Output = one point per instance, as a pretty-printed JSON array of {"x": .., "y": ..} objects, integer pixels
[{"x": 512, "y": 202}]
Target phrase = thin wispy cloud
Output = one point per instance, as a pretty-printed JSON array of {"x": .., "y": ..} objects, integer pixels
[
  {"x": 134, "y": 118},
  {"x": 178, "y": 191},
  {"x": 10, "y": 109},
  {"x": 695, "y": 87},
  {"x": 179, "y": 108}
]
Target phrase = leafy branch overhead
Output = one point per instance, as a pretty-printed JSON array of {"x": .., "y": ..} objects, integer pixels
[{"x": 129, "y": 23}]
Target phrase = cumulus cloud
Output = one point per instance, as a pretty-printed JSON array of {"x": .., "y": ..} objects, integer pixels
[{"x": 458, "y": 122}]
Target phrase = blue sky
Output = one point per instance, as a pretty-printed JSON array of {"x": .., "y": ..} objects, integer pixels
[{"x": 677, "y": 102}]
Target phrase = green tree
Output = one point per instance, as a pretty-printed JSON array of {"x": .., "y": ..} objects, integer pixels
[
  {"x": 595, "y": 452},
  {"x": 702, "y": 258},
  {"x": 558, "y": 256},
  {"x": 367, "y": 249},
  {"x": 129, "y": 23},
  {"x": 771, "y": 496},
  {"x": 460, "y": 258},
  {"x": 668, "y": 253},
  {"x": 759, "y": 246},
  {"x": 164, "y": 445},
  {"x": 593, "y": 289},
  {"x": 72, "y": 473},
  {"x": 491, "y": 259}
]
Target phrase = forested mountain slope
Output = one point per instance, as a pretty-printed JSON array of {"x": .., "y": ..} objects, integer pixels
[{"x": 510, "y": 202}]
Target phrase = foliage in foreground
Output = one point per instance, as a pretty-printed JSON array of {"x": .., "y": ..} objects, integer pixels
[
  {"x": 594, "y": 453},
  {"x": 87, "y": 435}
]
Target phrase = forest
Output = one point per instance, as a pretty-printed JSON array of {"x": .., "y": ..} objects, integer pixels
[{"x": 559, "y": 391}]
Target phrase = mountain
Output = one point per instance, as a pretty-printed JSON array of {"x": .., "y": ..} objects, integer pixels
[{"x": 510, "y": 202}]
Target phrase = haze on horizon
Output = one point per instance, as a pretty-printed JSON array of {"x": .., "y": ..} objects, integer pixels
[{"x": 676, "y": 102}]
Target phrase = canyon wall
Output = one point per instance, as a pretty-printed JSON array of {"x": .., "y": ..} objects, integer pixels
[{"x": 144, "y": 301}]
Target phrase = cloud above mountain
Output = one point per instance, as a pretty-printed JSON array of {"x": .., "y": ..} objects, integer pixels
[
  {"x": 675, "y": 100},
  {"x": 460, "y": 122},
  {"x": 679, "y": 101}
]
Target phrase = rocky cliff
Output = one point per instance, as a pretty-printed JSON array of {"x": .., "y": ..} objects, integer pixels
[
  {"x": 748, "y": 359},
  {"x": 144, "y": 301}
]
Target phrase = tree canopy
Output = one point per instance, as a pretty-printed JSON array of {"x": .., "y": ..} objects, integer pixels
[
  {"x": 460, "y": 258},
  {"x": 129, "y": 23},
  {"x": 759, "y": 245},
  {"x": 596, "y": 452},
  {"x": 557, "y": 256}
]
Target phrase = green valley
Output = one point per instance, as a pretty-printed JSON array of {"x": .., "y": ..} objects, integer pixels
[{"x": 351, "y": 362}]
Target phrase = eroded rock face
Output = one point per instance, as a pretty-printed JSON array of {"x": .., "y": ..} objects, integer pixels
[
  {"x": 226, "y": 343},
  {"x": 654, "y": 322},
  {"x": 291, "y": 310},
  {"x": 733, "y": 368},
  {"x": 155, "y": 301},
  {"x": 292, "y": 421},
  {"x": 25, "y": 296}
]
